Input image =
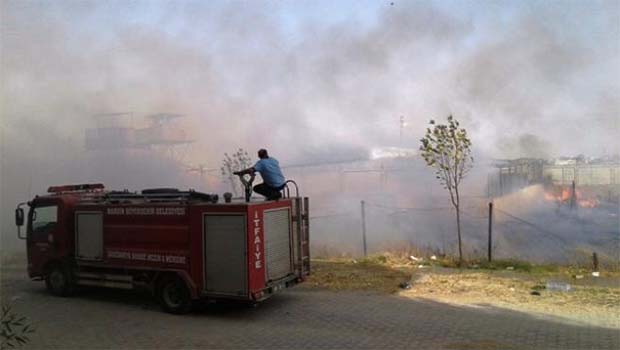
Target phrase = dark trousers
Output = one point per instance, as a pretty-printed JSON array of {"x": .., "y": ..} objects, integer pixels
[{"x": 268, "y": 191}]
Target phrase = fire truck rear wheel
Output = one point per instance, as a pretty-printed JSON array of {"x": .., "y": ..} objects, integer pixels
[
  {"x": 59, "y": 281},
  {"x": 174, "y": 296}
]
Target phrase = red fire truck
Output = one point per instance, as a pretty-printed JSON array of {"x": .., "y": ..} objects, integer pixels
[{"x": 180, "y": 245}]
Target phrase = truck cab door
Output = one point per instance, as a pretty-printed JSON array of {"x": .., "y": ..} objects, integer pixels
[{"x": 41, "y": 235}]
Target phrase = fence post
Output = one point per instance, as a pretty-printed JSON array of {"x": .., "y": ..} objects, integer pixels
[
  {"x": 595, "y": 261},
  {"x": 364, "y": 228},
  {"x": 490, "y": 231}
]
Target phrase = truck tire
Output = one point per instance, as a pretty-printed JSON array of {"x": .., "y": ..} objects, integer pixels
[
  {"x": 174, "y": 296},
  {"x": 59, "y": 281}
]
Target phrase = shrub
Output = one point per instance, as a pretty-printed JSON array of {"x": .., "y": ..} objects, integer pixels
[{"x": 14, "y": 329}]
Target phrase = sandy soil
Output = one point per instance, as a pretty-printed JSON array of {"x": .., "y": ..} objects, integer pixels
[{"x": 589, "y": 301}]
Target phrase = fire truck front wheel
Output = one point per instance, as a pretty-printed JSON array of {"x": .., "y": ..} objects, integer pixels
[
  {"x": 174, "y": 296},
  {"x": 59, "y": 281}
]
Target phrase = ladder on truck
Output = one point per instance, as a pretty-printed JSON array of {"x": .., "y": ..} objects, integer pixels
[{"x": 301, "y": 230}]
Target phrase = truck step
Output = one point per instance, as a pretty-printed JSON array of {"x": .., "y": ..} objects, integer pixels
[
  {"x": 109, "y": 284},
  {"x": 105, "y": 280},
  {"x": 104, "y": 276}
]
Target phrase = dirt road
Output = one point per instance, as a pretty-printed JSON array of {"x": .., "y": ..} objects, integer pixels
[{"x": 298, "y": 318}]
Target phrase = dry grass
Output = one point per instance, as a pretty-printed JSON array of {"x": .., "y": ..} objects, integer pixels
[
  {"x": 365, "y": 274},
  {"x": 13, "y": 259},
  {"x": 582, "y": 258},
  {"x": 598, "y": 305},
  {"x": 506, "y": 284}
]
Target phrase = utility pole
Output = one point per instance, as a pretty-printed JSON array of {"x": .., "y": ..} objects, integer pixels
[
  {"x": 364, "y": 228},
  {"x": 341, "y": 178},
  {"x": 382, "y": 177},
  {"x": 402, "y": 126},
  {"x": 488, "y": 185},
  {"x": 490, "y": 231}
]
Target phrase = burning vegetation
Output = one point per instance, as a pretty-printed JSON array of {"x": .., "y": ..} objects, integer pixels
[
  {"x": 568, "y": 181},
  {"x": 563, "y": 196}
]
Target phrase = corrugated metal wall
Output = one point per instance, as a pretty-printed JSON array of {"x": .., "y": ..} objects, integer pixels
[
  {"x": 583, "y": 175},
  {"x": 278, "y": 243},
  {"x": 225, "y": 263},
  {"x": 89, "y": 235}
]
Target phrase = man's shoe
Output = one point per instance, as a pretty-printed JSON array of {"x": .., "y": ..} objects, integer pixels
[{"x": 275, "y": 197}]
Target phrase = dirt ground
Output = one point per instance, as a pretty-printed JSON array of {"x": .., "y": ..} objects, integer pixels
[
  {"x": 585, "y": 302},
  {"x": 590, "y": 301},
  {"x": 309, "y": 316}
]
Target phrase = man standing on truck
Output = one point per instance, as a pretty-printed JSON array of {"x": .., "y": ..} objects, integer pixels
[{"x": 269, "y": 169}]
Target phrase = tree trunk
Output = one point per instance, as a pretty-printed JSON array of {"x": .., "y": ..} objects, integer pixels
[
  {"x": 233, "y": 185},
  {"x": 458, "y": 232}
]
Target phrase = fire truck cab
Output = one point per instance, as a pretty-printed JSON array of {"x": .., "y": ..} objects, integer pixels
[{"x": 180, "y": 245}]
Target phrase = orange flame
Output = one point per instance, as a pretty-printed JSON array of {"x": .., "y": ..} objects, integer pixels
[
  {"x": 588, "y": 203},
  {"x": 564, "y": 196}
]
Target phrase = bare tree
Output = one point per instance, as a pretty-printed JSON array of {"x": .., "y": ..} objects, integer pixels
[
  {"x": 447, "y": 148},
  {"x": 238, "y": 161}
]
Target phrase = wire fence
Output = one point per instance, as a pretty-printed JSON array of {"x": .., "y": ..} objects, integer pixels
[{"x": 546, "y": 235}]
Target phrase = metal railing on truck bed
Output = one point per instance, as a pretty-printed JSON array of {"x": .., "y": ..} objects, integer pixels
[{"x": 151, "y": 196}]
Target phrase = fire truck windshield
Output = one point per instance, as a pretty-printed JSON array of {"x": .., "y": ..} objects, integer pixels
[{"x": 44, "y": 218}]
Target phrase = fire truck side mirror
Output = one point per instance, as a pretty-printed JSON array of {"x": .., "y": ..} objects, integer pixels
[
  {"x": 19, "y": 217},
  {"x": 19, "y": 220}
]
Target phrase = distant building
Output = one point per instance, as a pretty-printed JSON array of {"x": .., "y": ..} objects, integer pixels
[
  {"x": 117, "y": 131},
  {"x": 515, "y": 174},
  {"x": 392, "y": 152}
]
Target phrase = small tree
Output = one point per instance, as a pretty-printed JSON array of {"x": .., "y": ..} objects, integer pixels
[
  {"x": 14, "y": 330},
  {"x": 239, "y": 160},
  {"x": 447, "y": 148}
]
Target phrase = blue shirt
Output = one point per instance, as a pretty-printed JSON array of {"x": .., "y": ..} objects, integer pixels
[{"x": 269, "y": 170}]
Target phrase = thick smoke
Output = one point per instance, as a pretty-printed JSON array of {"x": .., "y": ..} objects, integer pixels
[{"x": 310, "y": 82}]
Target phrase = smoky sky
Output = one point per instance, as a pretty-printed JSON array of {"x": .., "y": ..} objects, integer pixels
[
  {"x": 293, "y": 78},
  {"x": 310, "y": 81}
]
